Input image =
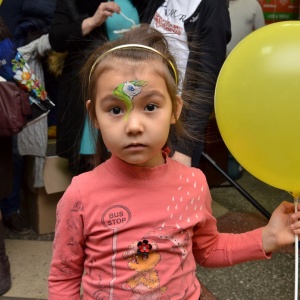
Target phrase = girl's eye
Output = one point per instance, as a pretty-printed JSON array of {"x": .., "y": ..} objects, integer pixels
[
  {"x": 151, "y": 107},
  {"x": 115, "y": 110}
]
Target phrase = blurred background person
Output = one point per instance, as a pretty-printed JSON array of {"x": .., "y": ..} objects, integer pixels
[
  {"x": 6, "y": 171},
  {"x": 245, "y": 16},
  {"x": 26, "y": 21},
  {"x": 199, "y": 32},
  {"x": 77, "y": 25}
]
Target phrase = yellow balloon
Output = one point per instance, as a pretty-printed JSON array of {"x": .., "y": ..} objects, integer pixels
[{"x": 257, "y": 104}]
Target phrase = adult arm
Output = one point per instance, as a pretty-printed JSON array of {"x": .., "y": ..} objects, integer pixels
[
  {"x": 104, "y": 11},
  {"x": 70, "y": 27},
  {"x": 64, "y": 28}
]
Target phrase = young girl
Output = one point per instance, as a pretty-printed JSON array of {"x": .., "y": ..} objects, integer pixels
[{"x": 135, "y": 226}]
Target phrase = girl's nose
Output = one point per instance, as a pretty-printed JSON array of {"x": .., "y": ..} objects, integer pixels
[{"x": 134, "y": 124}]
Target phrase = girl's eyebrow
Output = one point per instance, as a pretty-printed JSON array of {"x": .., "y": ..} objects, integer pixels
[
  {"x": 109, "y": 98},
  {"x": 150, "y": 93}
]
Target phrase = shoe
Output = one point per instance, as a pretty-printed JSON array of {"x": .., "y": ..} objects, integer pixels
[
  {"x": 5, "y": 278},
  {"x": 16, "y": 224}
]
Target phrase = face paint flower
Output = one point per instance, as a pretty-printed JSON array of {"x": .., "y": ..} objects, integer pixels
[{"x": 127, "y": 90}]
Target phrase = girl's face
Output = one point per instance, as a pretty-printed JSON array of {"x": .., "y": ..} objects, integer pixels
[{"x": 134, "y": 113}]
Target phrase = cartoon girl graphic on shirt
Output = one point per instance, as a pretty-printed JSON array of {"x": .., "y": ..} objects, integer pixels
[{"x": 145, "y": 283}]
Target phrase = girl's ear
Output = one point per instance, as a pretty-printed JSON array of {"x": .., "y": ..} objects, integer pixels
[
  {"x": 88, "y": 108},
  {"x": 176, "y": 114}
]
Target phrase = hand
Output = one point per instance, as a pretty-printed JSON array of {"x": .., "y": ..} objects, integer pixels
[
  {"x": 104, "y": 10},
  {"x": 282, "y": 227}
]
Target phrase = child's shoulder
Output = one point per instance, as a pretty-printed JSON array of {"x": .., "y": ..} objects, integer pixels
[
  {"x": 190, "y": 170},
  {"x": 86, "y": 178},
  {"x": 87, "y": 183}
]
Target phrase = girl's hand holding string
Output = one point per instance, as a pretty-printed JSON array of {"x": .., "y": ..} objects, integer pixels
[
  {"x": 104, "y": 10},
  {"x": 282, "y": 227}
]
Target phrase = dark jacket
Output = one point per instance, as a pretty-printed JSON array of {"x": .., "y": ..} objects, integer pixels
[
  {"x": 66, "y": 35},
  {"x": 210, "y": 34},
  {"x": 35, "y": 21},
  {"x": 11, "y": 12}
]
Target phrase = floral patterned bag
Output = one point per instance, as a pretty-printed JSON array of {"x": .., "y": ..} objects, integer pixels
[{"x": 14, "y": 68}]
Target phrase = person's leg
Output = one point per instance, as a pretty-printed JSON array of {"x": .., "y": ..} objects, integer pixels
[
  {"x": 5, "y": 189},
  {"x": 10, "y": 205},
  {"x": 5, "y": 277}
]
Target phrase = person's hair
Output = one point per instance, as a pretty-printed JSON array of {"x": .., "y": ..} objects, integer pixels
[
  {"x": 101, "y": 59},
  {"x": 4, "y": 31}
]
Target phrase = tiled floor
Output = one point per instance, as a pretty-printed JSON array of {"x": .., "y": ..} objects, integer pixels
[
  {"x": 268, "y": 280},
  {"x": 29, "y": 267}
]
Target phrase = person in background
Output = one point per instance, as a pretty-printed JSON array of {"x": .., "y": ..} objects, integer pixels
[
  {"x": 11, "y": 13},
  {"x": 6, "y": 153},
  {"x": 31, "y": 20},
  {"x": 136, "y": 225},
  {"x": 115, "y": 26},
  {"x": 6, "y": 171},
  {"x": 6, "y": 187},
  {"x": 245, "y": 16},
  {"x": 76, "y": 26},
  {"x": 198, "y": 32}
]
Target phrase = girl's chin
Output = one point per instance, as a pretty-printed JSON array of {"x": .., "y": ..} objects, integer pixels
[{"x": 145, "y": 162}]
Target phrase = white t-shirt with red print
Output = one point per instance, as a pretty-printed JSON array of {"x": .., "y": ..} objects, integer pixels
[{"x": 169, "y": 19}]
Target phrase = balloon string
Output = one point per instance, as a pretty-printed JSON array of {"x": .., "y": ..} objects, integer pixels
[{"x": 296, "y": 254}]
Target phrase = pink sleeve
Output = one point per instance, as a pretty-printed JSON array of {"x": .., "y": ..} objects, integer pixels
[
  {"x": 214, "y": 249},
  {"x": 66, "y": 267}
]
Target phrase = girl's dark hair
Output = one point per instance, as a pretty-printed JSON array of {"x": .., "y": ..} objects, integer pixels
[{"x": 143, "y": 35}]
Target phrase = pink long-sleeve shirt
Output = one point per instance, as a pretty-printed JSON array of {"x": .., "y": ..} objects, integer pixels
[{"x": 106, "y": 212}]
